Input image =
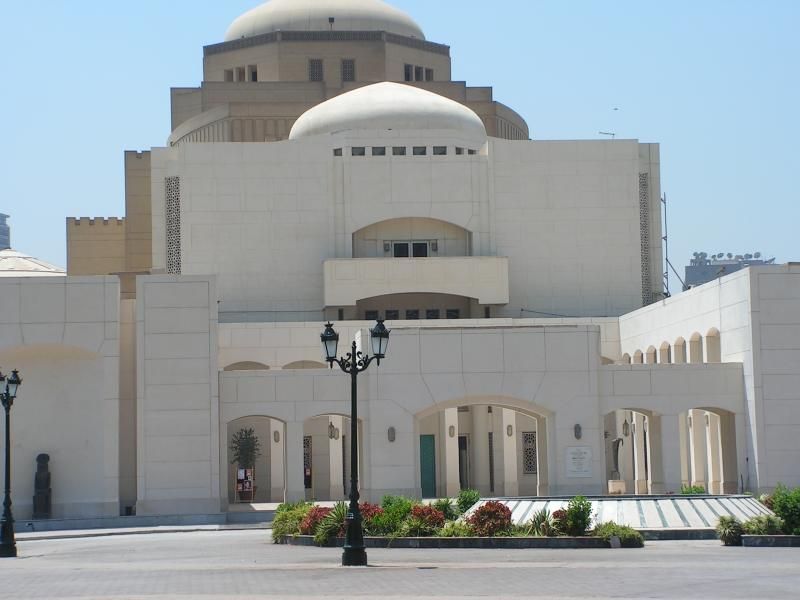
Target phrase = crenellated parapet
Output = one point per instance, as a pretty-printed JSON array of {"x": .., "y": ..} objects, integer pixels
[{"x": 95, "y": 246}]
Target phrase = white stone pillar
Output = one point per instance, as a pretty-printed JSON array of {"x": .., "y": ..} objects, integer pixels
[
  {"x": 510, "y": 473},
  {"x": 276, "y": 461},
  {"x": 479, "y": 450},
  {"x": 541, "y": 457},
  {"x": 335, "y": 459},
  {"x": 714, "y": 454},
  {"x": 697, "y": 447},
  {"x": 671, "y": 454},
  {"x": 626, "y": 452},
  {"x": 640, "y": 477},
  {"x": 683, "y": 436},
  {"x": 452, "y": 485},
  {"x": 654, "y": 455},
  {"x": 295, "y": 484}
]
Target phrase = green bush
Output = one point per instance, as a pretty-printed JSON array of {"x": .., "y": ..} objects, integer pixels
[
  {"x": 786, "y": 504},
  {"x": 766, "y": 500},
  {"x": 729, "y": 530},
  {"x": 579, "y": 516},
  {"x": 763, "y": 525},
  {"x": 456, "y": 529},
  {"x": 490, "y": 519},
  {"x": 288, "y": 517},
  {"x": 628, "y": 536},
  {"x": 692, "y": 490},
  {"x": 331, "y": 525},
  {"x": 539, "y": 525},
  {"x": 396, "y": 510},
  {"x": 466, "y": 498},
  {"x": 447, "y": 508}
]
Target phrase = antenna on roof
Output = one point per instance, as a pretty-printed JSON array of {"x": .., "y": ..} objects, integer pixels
[
  {"x": 331, "y": 21},
  {"x": 611, "y": 133}
]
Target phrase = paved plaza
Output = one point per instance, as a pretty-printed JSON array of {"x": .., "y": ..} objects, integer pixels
[{"x": 244, "y": 564}]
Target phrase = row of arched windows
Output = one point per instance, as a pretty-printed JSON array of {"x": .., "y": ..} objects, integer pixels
[{"x": 699, "y": 349}]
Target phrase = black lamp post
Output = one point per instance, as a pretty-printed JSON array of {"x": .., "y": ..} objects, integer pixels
[
  {"x": 8, "y": 545},
  {"x": 355, "y": 362}
]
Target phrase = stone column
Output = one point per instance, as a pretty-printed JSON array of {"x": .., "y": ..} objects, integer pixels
[
  {"x": 655, "y": 455},
  {"x": 541, "y": 457},
  {"x": 510, "y": 473},
  {"x": 479, "y": 449},
  {"x": 640, "y": 472},
  {"x": 276, "y": 460},
  {"x": 452, "y": 485},
  {"x": 683, "y": 433},
  {"x": 697, "y": 447},
  {"x": 729, "y": 449},
  {"x": 335, "y": 459},
  {"x": 295, "y": 485},
  {"x": 670, "y": 447},
  {"x": 714, "y": 454}
]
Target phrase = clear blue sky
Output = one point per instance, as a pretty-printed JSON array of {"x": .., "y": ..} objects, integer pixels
[{"x": 716, "y": 83}]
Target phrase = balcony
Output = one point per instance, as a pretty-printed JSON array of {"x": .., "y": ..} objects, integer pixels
[{"x": 484, "y": 278}]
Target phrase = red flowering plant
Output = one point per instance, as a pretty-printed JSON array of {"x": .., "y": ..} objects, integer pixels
[
  {"x": 559, "y": 522},
  {"x": 423, "y": 520},
  {"x": 369, "y": 513},
  {"x": 490, "y": 519},
  {"x": 309, "y": 524}
]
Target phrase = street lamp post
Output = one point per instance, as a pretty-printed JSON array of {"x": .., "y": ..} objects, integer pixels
[
  {"x": 8, "y": 544},
  {"x": 353, "y": 363}
]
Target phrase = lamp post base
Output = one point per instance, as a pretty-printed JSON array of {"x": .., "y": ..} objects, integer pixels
[{"x": 354, "y": 557}]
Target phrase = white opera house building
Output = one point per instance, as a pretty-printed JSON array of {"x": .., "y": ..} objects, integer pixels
[{"x": 327, "y": 168}]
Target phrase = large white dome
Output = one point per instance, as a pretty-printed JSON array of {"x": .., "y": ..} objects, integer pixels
[
  {"x": 18, "y": 264},
  {"x": 388, "y": 106},
  {"x": 314, "y": 15}
]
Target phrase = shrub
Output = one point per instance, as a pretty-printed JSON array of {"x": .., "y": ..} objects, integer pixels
[
  {"x": 396, "y": 510},
  {"x": 766, "y": 500},
  {"x": 490, "y": 519},
  {"x": 763, "y": 525},
  {"x": 559, "y": 522},
  {"x": 309, "y": 524},
  {"x": 579, "y": 516},
  {"x": 628, "y": 536},
  {"x": 541, "y": 524},
  {"x": 431, "y": 515},
  {"x": 456, "y": 529},
  {"x": 466, "y": 499},
  {"x": 288, "y": 517},
  {"x": 332, "y": 525},
  {"x": 786, "y": 504},
  {"x": 448, "y": 508},
  {"x": 692, "y": 490},
  {"x": 729, "y": 530}
]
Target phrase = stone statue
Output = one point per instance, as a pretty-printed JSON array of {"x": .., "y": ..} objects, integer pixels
[
  {"x": 616, "y": 443},
  {"x": 42, "y": 494}
]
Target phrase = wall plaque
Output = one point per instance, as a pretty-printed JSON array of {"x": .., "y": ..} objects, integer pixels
[{"x": 579, "y": 461}]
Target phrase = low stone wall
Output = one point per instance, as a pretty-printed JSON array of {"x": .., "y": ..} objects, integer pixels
[
  {"x": 475, "y": 542},
  {"x": 771, "y": 541}
]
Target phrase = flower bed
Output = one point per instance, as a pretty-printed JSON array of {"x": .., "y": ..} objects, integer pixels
[{"x": 401, "y": 522}]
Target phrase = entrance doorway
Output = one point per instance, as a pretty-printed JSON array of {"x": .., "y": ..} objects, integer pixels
[{"x": 427, "y": 465}]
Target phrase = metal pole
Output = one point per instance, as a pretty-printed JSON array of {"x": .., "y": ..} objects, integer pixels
[
  {"x": 8, "y": 544},
  {"x": 354, "y": 554}
]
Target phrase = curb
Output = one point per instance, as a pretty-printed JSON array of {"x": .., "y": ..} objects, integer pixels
[{"x": 70, "y": 535}]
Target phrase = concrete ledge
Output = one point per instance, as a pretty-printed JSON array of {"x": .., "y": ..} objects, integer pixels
[
  {"x": 771, "y": 541},
  {"x": 678, "y": 534},
  {"x": 472, "y": 543}
]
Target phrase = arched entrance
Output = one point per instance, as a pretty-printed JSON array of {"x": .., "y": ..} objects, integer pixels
[
  {"x": 630, "y": 451},
  {"x": 708, "y": 450},
  {"x": 267, "y": 481},
  {"x": 498, "y": 448},
  {"x": 327, "y": 456}
]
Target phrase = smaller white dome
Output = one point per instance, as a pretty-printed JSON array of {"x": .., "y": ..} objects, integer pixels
[
  {"x": 314, "y": 15},
  {"x": 17, "y": 264},
  {"x": 385, "y": 106}
]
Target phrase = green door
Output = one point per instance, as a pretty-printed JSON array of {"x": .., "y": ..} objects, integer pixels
[{"x": 427, "y": 465}]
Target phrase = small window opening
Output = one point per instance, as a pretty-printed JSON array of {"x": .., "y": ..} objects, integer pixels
[
  {"x": 409, "y": 72},
  {"x": 337, "y": 151},
  {"x": 432, "y": 313},
  {"x": 420, "y": 249},
  {"x": 358, "y": 151},
  {"x": 378, "y": 151},
  {"x": 400, "y": 249},
  {"x": 315, "y": 72},
  {"x": 459, "y": 151},
  {"x": 439, "y": 150},
  {"x": 453, "y": 313},
  {"x": 419, "y": 74},
  {"x": 253, "y": 70},
  {"x": 412, "y": 314},
  {"x": 428, "y": 74},
  {"x": 371, "y": 315},
  {"x": 228, "y": 74},
  {"x": 420, "y": 151},
  {"x": 392, "y": 315},
  {"x": 240, "y": 74},
  {"x": 473, "y": 152},
  {"x": 399, "y": 151},
  {"x": 348, "y": 70}
]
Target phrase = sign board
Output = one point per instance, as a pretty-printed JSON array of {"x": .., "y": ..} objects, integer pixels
[
  {"x": 579, "y": 461},
  {"x": 244, "y": 480}
]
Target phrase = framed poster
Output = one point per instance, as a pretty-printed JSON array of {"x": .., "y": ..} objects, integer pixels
[{"x": 579, "y": 461}]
